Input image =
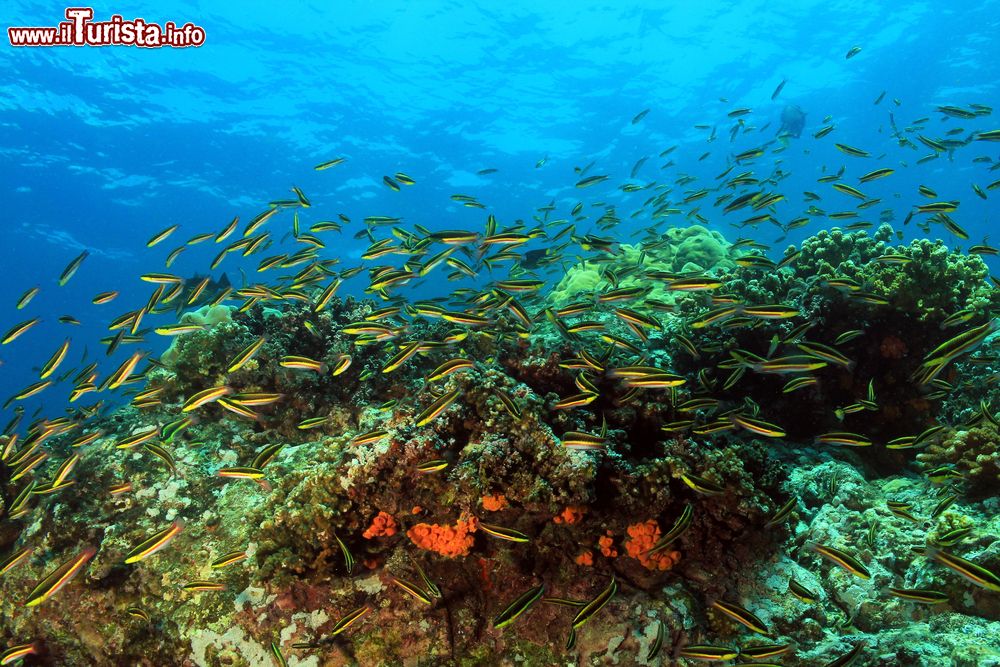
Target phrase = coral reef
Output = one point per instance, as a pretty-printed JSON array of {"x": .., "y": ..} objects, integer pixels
[{"x": 392, "y": 512}]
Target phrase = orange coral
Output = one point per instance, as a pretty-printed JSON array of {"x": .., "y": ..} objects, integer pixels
[
  {"x": 448, "y": 541},
  {"x": 571, "y": 514},
  {"x": 495, "y": 502},
  {"x": 417, "y": 509},
  {"x": 641, "y": 538},
  {"x": 607, "y": 542},
  {"x": 382, "y": 524},
  {"x": 586, "y": 558}
]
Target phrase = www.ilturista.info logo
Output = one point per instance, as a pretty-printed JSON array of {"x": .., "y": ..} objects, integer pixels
[{"x": 81, "y": 30}]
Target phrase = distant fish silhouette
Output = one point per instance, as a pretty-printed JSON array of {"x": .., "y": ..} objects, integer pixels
[
  {"x": 210, "y": 290},
  {"x": 532, "y": 258},
  {"x": 793, "y": 120}
]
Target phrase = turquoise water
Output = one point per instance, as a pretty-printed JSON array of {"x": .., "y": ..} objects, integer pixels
[{"x": 103, "y": 147}]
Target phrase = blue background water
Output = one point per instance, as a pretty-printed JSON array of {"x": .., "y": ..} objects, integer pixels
[{"x": 103, "y": 147}]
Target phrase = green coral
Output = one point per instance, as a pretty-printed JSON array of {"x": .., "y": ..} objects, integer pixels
[
  {"x": 584, "y": 278},
  {"x": 679, "y": 250},
  {"x": 934, "y": 283},
  {"x": 696, "y": 249},
  {"x": 206, "y": 316}
]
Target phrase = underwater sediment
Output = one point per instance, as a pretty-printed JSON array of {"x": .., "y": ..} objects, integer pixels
[{"x": 682, "y": 451}]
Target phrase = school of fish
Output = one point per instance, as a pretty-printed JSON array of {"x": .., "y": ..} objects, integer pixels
[{"x": 690, "y": 362}]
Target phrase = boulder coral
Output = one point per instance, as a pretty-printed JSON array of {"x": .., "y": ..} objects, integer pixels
[{"x": 973, "y": 454}]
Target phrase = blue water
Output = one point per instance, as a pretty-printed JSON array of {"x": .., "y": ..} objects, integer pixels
[{"x": 103, "y": 147}]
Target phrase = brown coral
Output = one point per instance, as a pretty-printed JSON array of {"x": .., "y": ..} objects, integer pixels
[
  {"x": 893, "y": 347},
  {"x": 974, "y": 453}
]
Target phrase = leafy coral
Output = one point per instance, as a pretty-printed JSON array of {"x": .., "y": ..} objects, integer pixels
[{"x": 680, "y": 250}]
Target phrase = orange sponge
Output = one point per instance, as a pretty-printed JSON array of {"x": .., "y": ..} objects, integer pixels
[
  {"x": 446, "y": 540},
  {"x": 641, "y": 538},
  {"x": 495, "y": 502},
  {"x": 382, "y": 524},
  {"x": 571, "y": 514},
  {"x": 607, "y": 544}
]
